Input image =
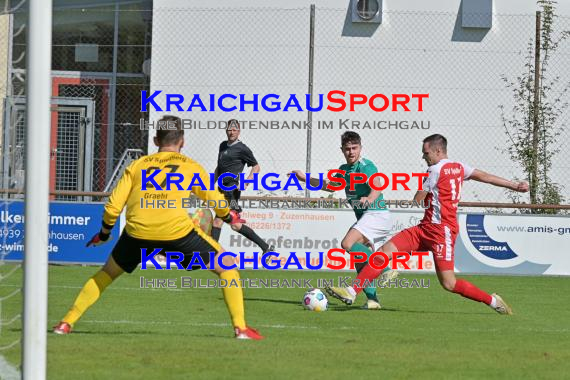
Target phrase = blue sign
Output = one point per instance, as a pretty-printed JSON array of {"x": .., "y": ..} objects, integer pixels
[
  {"x": 71, "y": 226},
  {"x": 484, "y": 243}
]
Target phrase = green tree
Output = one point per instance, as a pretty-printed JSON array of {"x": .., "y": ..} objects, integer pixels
[{"x": 533, "y": 126}]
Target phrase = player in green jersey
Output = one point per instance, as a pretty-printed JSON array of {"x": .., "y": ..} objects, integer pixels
[{"x": 373, "y": 222}]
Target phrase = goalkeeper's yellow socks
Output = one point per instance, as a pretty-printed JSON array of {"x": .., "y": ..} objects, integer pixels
[
  {"x": 233, "y": 295},
  {"x": 87, "y": 296},
  {"x": 370, "y": 291}
]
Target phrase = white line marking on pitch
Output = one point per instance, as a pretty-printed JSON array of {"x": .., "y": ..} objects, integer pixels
[
  {"x": 280, "y": 326},
  {"x": 196, "y": 324},
  {"x": 8, "y": 371}
]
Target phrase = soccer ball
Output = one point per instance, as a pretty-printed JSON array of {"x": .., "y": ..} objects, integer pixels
[{"x": 315, "y": 300}]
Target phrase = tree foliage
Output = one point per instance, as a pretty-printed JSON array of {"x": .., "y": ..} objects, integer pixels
[{"x": 533, "y": 141}]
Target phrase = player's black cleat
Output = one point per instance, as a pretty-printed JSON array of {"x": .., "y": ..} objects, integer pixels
[{"x": 268, "y": 258}]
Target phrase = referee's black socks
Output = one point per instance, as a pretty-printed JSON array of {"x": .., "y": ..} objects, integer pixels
[{"x": 251, "y": 235}]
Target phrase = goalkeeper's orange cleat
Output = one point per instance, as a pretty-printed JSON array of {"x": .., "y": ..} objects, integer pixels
[
  {"x": 248, "y": 333},
  {"x": 62, "y": 328}
]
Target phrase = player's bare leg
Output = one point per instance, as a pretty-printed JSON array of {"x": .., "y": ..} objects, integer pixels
[
  {"x": 233, "y": 296},
  {"x": 466, "y": 289},
  {"x": 112, "y": 269},
  {"x": 89, "y": 294}
]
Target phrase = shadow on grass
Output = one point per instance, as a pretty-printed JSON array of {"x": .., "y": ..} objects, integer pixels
[
  {"x": 439, "y": 312},
  {"x": 100, "y": 332},
  {"x": 272, "y": 300},
  {"x": 343, "y": 308},
  {"x": 145, "y": 332}
]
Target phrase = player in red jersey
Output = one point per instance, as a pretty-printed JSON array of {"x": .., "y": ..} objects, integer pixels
[{"x": 438, "y": 229}]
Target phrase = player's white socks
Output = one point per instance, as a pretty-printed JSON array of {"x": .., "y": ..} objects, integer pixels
[
  {"x": 493, "y": 302},
  {"x": 351, "y": 291}
]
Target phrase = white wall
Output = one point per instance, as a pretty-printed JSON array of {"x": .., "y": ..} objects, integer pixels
[
  {"x": 499, "y": 6},
  {"x": 242, "y": 46}
]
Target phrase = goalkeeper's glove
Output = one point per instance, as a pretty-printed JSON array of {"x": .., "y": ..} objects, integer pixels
[
  {"x": 233, "y": 217},
  {"x": 99, "y": 238}
]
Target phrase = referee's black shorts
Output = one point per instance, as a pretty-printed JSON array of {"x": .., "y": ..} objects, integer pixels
[{"x": 127, "y": 251}]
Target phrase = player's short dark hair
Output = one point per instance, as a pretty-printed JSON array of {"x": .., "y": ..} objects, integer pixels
[
  {"x": 350, "y": 137},
  {"x": 170, "y": 131},
  {"x": 437, "y": 140},
  {"x": 233, "y": 123}
]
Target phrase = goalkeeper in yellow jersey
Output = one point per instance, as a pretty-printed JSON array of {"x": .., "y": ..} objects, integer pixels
[{"x": 168, "y": 228}]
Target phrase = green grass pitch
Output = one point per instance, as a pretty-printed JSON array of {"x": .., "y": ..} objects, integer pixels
[{"x": 134, "y": 333}]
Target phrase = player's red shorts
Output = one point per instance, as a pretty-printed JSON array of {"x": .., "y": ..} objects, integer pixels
[{"x": 439, "y": 239}]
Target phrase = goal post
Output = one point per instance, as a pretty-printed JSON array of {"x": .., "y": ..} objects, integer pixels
[{"x": 38, "y": 93}]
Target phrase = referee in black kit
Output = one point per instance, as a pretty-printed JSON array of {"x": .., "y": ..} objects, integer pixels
[{"x": 232, "y": 158}]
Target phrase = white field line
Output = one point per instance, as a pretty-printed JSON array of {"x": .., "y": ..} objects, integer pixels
[
  {"x": 297, "y": 327},
  {"x": 8, "y": 371},
  {"x": 198, "y": 324}
]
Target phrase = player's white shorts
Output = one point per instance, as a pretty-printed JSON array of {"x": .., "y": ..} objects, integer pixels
[{"x": 376, "y": 226}]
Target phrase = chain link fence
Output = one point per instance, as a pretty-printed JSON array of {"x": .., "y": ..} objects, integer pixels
[
  {"x": 98, "y": 60},
  {"x": 101, "y": 63},
  {"x": 464, "y": 70},
  {"x": 12, "y": 155}
]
